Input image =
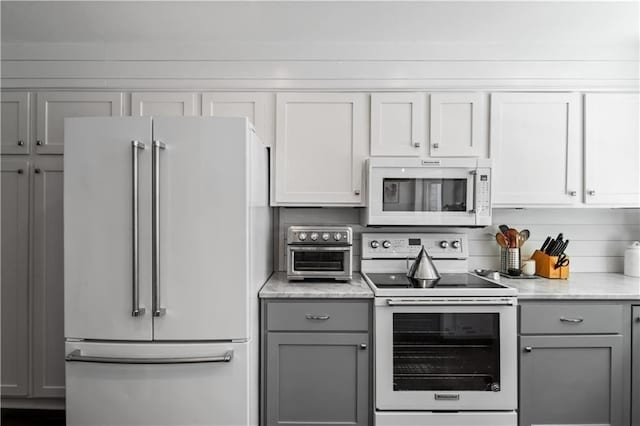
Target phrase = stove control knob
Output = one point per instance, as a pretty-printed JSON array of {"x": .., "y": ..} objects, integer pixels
[
  {"x": 386, "y": 244},
  {"x": 455, "y": 244},
  {"x": 444, "y": 244},
  {"x": 302, "y": 236},
  {"x": 314, "y": 236},
  {"x": 375, "y": 244},
  {"x": 337, "y": 236},
  {"x": 325, "y": 236}
]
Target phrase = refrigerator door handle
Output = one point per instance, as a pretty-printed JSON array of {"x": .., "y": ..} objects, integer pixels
[
  {"x": 136, "y": 310},
  {"x": 155, "y": 219},
  {"x": 76, "y": 356}
]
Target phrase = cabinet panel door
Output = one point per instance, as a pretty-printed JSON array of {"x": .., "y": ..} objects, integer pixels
[
  {"x": 54, "y": 107},
  {"x": 612, "y": 149},
  {"x": 15, "y": 278},
  {"x": 317, "y": 379},
  {"x": 321, "y": 145},
  {"x": 535, "y": 147},
  {"x": 257, "y": 107},
  {"x": 48, "y": 279},
  {"x": 458, "y": 125},
  {"x": 397, "y": 124},
  {"x": 14, "y": 108},
  {"x": 635, "y": 366},
  {"x": 571, "y": 380},
  {"x": 163, "y": 104}
]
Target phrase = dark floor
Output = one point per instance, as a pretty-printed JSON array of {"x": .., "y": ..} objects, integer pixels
[{"x": 14, "y": 417}]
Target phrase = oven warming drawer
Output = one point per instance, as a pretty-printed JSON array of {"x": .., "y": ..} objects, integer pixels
[{"x": 462, "y": 418}]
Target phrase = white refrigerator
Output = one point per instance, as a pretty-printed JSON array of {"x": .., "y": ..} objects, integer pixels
[{"x": 167, "y": 231}]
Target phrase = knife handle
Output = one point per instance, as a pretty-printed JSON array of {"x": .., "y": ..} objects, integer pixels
[{"x": 544, "y": 245}]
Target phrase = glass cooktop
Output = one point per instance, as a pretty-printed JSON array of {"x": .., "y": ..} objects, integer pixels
[{"x": 400, "y": 280}]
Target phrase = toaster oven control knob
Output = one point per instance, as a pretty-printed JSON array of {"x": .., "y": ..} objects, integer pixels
[
  {"x": 325, "y": 236},
  {"x": 386, "y": 244},
  {"x": 375, "y": 244},
  {"x": 314, "y": 236},
  {"x": 302, "y": 236},
  {"x": 444, "y": 244},
  {"x": 337, "y": 236},
  {"x": 455, "y": 244}
]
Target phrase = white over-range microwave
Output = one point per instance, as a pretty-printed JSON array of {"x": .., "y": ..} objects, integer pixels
[{"x": 426, "y": 192}]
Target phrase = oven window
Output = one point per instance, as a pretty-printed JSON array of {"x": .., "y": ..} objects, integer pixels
[
  {"x": 318, "y": 261},
  {"x": 446, "y": 351},
  {"x": 427, "y": 195}
]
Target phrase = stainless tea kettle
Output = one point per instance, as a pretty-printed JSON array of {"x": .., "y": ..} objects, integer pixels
[{"x": 422, "y": 270}]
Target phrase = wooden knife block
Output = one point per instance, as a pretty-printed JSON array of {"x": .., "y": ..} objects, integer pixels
[{"x": 545, "y": 266}]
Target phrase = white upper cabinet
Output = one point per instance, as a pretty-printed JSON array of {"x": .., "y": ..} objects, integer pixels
[
  {"x": 458, "y": 125},
  {"x": 175, "y": 104},
  {"x": 257, "y": 107},
  {"x": 54, "y": 107},
  {"x": 536, "y": 149},
  {"x": 321, "y": 145},
  {"x": 14, "y": 108},
  {"x": 612, "y": 149},
  {"x": 397, "y": 124}
]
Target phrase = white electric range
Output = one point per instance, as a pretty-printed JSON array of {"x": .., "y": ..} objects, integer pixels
[{"x": 445, "y": 353}]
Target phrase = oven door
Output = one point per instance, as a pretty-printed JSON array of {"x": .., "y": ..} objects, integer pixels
[
  {"x": 422, "y": 196},
  {"x": 442, "y": 354},
  {"x": 319, "y": 262}
]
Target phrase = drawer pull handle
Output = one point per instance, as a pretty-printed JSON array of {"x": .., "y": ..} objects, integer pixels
[
  {"x": 322, "y": 317},
  {"x": 528, "y": 349},
  {"x": 572, "y": 320}
]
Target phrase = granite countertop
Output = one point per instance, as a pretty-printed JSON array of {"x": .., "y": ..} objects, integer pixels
[
  {"x": 279, "y": 287},
  {"x": 580, "y": 285}
]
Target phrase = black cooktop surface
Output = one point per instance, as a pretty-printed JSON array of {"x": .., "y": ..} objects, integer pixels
[{"x": 400, "y": 280}]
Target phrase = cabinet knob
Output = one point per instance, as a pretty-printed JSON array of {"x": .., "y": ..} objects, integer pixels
[
  {"x": 363, "y": 346},
  {"x": 436, "y": 145},
  {"x": 356, "y": 192},
  {"x": 417, "y": 144},
  {"x": 20, "y": 171},
  {"x": 38, "y": 143},
  {"x": 20, "y": 143},
  {"x": 573, "y": 193},
  {"x": 591, "y": 192},
  {"x": 37, "y": 171},
  {"x": 528, "y": 349}
]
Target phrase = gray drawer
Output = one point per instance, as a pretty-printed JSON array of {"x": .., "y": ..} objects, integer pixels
[
  {"x": 570, "y": 319},
  {"x": 317, "y": 316}
]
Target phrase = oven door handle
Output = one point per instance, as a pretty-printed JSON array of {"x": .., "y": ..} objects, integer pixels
[
  {"x": 451, "y": 302},
  {"x": 322, "y": 248}
]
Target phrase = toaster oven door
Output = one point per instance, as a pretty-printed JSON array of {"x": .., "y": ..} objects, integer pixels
[{"x": 319, "y": 262}]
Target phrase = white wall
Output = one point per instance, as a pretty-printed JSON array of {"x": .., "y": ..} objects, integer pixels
[
  {"x": 598, "y": 237},
  {"x": 452, "y": 45}
]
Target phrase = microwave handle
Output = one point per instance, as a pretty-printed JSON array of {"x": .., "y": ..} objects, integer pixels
[{"x": 474, "y": 174}]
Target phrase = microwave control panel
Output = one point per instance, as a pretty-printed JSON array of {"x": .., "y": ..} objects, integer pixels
[
  {"x": 483, "y": 193},
  {"x": 403, "y": 245}
]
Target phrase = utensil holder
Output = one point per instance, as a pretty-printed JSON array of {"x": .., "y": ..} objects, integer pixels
[
  {"x": 509, "y": 259},
  {"x": 545, "y": 266}
]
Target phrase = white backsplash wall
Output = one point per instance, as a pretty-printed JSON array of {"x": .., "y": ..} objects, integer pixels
[{"x": 598, "y": 237}]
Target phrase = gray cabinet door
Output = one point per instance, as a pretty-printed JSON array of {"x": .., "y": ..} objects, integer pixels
[
  {"x": 571, "y": 380},
  {"x": 317, "y": 379},
  {"x": 635, "y": 367},
  {"x": 15, "y": 278}
]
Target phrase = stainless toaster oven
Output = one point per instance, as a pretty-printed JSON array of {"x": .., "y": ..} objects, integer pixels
[{"x": 319, "y": 252}]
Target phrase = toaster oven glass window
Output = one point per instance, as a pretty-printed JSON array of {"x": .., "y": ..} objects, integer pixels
[
  {"x": 427, "y": 195},
  {"x": 318, "y": 261},
  {"x": 446, "y": 351}
]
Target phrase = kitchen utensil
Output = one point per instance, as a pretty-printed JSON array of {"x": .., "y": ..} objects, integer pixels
[
  {"x": 524, "y": 235},
  {"x": 503, "y": 228},
  {"x": 489, "y": 273},
  {"x": 423, "y": 270},
  {"x": 545, "y": 244},
  {"x": 560, "y": 248},
  {"x": 562, "y": 261},
  {"x": 512, "y": 236},
  {"x": 632, "y": 260},
  {"x": 502, "y": 240},
  {"x": 509, "y": 259}
]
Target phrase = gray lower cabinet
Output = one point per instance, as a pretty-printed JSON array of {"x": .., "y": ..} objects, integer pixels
[
  {"x": 318, "y": 374},
  {"x": 635, "y": 366}
]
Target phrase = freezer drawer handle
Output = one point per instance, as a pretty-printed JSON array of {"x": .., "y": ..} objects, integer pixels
[
  {"x": 136, "y": 310},
  {"x": 155, "y": 236},
  {"x": 76, "y": 356}
]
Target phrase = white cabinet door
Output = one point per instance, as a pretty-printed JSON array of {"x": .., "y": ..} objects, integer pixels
[
  {"x": 612, "y": 149},
  {"x": 397, "y": 124},
  {"x": 203, "y": 208},
  {"x": 54, "y": 107},
  {"x": 14, "y": 107},
  {"x": 48, "y": 278},
  {"x": 321, "y": 145},
  {"x": 99, "y": 228},
  {"x": 535, "y": 147},
  {"x": 15, "y": 277},
  {"x": 458, "y": 125},
  {"x": 174, "y": 104},
  {"x": 257, "y": 107}
]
